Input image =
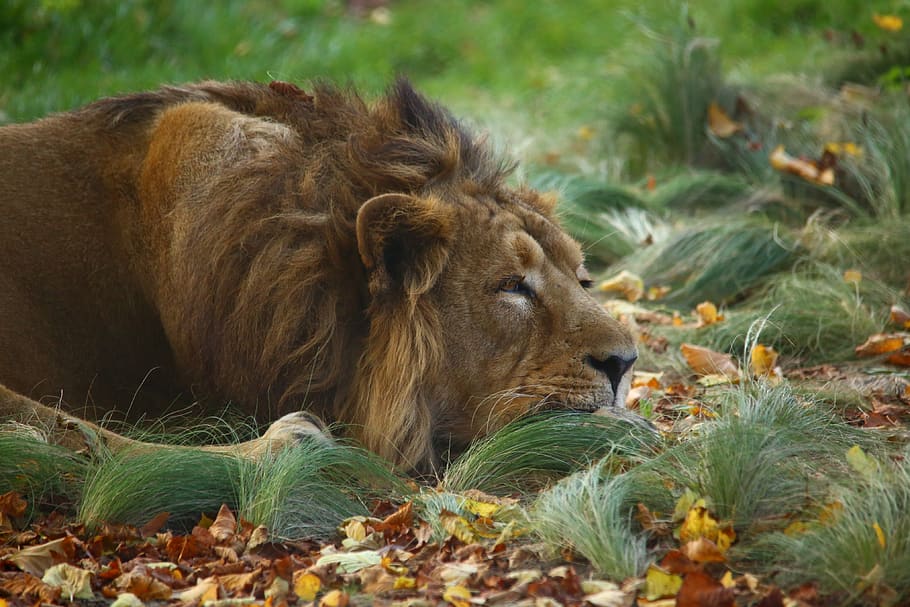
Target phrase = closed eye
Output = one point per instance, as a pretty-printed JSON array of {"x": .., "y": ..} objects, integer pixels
[
  {"x": 586, "y": 283},
  {"x": 515, "y": 284}
]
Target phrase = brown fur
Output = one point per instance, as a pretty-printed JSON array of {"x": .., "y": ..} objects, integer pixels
[{"x": 284, "y": 250}]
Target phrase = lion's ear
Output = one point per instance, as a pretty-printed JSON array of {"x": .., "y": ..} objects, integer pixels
[{"x": 403, "y": 242}]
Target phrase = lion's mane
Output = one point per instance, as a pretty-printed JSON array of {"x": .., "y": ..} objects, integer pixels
[{"x": 272, "y": 295}]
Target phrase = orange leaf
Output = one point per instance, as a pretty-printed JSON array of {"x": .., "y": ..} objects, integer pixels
[
  {"x": 762, "y": 360},
  {"x": 720, "y": 124},
  {"x": 631, "y": 286},
  {"x": 12, "y": 504},
  {"x": 901, "y": 359},
  {"x": 881, "y": 343},
  {"x": 806, "y": 169},
  {"x": 707, "y": 362},
  {"x": 900, "y": 317}
]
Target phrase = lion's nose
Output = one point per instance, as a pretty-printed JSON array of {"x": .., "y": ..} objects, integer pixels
[{"x": 613, "y": 366}]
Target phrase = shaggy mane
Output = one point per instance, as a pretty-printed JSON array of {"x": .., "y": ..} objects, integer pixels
[{"x": 274, "y": 296}]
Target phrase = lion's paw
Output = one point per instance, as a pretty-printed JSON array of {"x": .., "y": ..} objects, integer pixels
[{"x": 288, "y": 431}]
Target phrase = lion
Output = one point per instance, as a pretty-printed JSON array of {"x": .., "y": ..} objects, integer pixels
[{"x": 288, "y": 251}]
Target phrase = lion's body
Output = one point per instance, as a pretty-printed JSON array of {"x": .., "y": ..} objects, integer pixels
[{"x": 254, "y": 244}]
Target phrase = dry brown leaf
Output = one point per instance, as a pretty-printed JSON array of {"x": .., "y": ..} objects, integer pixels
[
  {"x": 143, "y": 586},
  {"x": 12, "y": 504},
  {"x": 901, "y": 359},
  {"x": 29, "y": 587},
  {"x": 704, "y": 361},
  {"x": 700, "y": 589},
  {"x": 224, "y": 526},
  {"x": 457, "y": 526},
  {"x": 720, "y": 124},
  {"x": 881, "y": 343},
  {"x": 335, "y": 598},
  {"x": 38, "y": 559}
]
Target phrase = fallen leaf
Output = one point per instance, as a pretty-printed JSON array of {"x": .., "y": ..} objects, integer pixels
[
  {"x": 404, "y": 582},
  {"x": 127, "y": 599},
  {"x": 457, "y": 526},
  {"x": 881, "y": 343},
  {"x": 699, "y": 589},
  {"x": 704, "y": 361},
  {"x": 889, "y": 23},
  {"x": 12, "y": 504},
  {"x": 334, "y": 598},
  {"x": 844, "y": 148},
  {"x": 879, "y": 535},
  {"x": 703, "y": 550},
  {"x": 631, "y": 286},
  {"x": 205, "y": 590},
  {"x": 853, "y": 276},
  {"x": 901, "y": 359},
  {"x": 660, "y": 584},
  {"x": 143, "y": 586},
  {"x": 720, "y": 124},
  {"x": 73, "y": 582},
  {"x": 762, "y": 360},
  {"x": 27, "y": 586},
  {"x": 457, "y": 595},
  {"x": 900, "y": 317},
  {"x": 154, "y": 525},
  {"x": 698, "y": 523},
  {"x": 813, "y": 171},
  {"x": 224, "y": 526},
  {"x": 38, "y": 559},
  {"x": 707, "y": 314},
  {"x": 351, "y": 562},
  {"x": 861, "y": 462},
  {"x": 306, "y": 585}
]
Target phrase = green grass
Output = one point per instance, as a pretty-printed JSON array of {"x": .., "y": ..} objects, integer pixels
[{"x": 532, "y": 452}]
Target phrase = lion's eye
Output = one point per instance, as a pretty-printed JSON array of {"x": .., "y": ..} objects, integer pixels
[
  {"x": 515, "y": 284},
  {"x": 586, "y": 283}
]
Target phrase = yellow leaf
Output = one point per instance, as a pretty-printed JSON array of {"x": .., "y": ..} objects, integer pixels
[
  {"x": 762, "y": 360},
  {"x": 889, "y": 23},
  {"x": 631, "y": 287},
  {"x": 853, "y": 276},
  {"x": 727, "y": 580},
  {"x": 484, "y": 509},
  {"x": 457, "y": 526},
  {"x": 698, "y": 523},
  {"x": 585, "y": 133},
  {"x": 306, "y": 585},
  {"x": 660, "y": 584},
  {"x": 404, "y": 583},
  {"x": 879, "y": 534},
  {"x": 830, "y": 513},
  {"x": 725, "y": 538},
  {"x": 457, "y": 595},
  {"x": 720, "y": 124},
  {"x": 861, "y": 462},
  {"x": 677, "y": 319},
  {"x": 334, "y": 598},
  {"x": 355, "y": 530},
  {"x": 707, "y": 313},
  {"x": 844, "y": 148},
  {"x": 796, "y": 528}
]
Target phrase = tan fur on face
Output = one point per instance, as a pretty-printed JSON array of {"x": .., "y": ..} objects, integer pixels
[{"x": 284, "y": 250}]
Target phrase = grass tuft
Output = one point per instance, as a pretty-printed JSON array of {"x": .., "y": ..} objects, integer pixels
[
  {"x": 591, "y": 512},
  {"x": 845, "y": 554},
  {"x": 532, "y": 452},
  {"x": 717, "y": 262},
  {"x": 307, "y": 490},
  {"x": 762, "y": 456},
  {"x": 42, "y": 473}
]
